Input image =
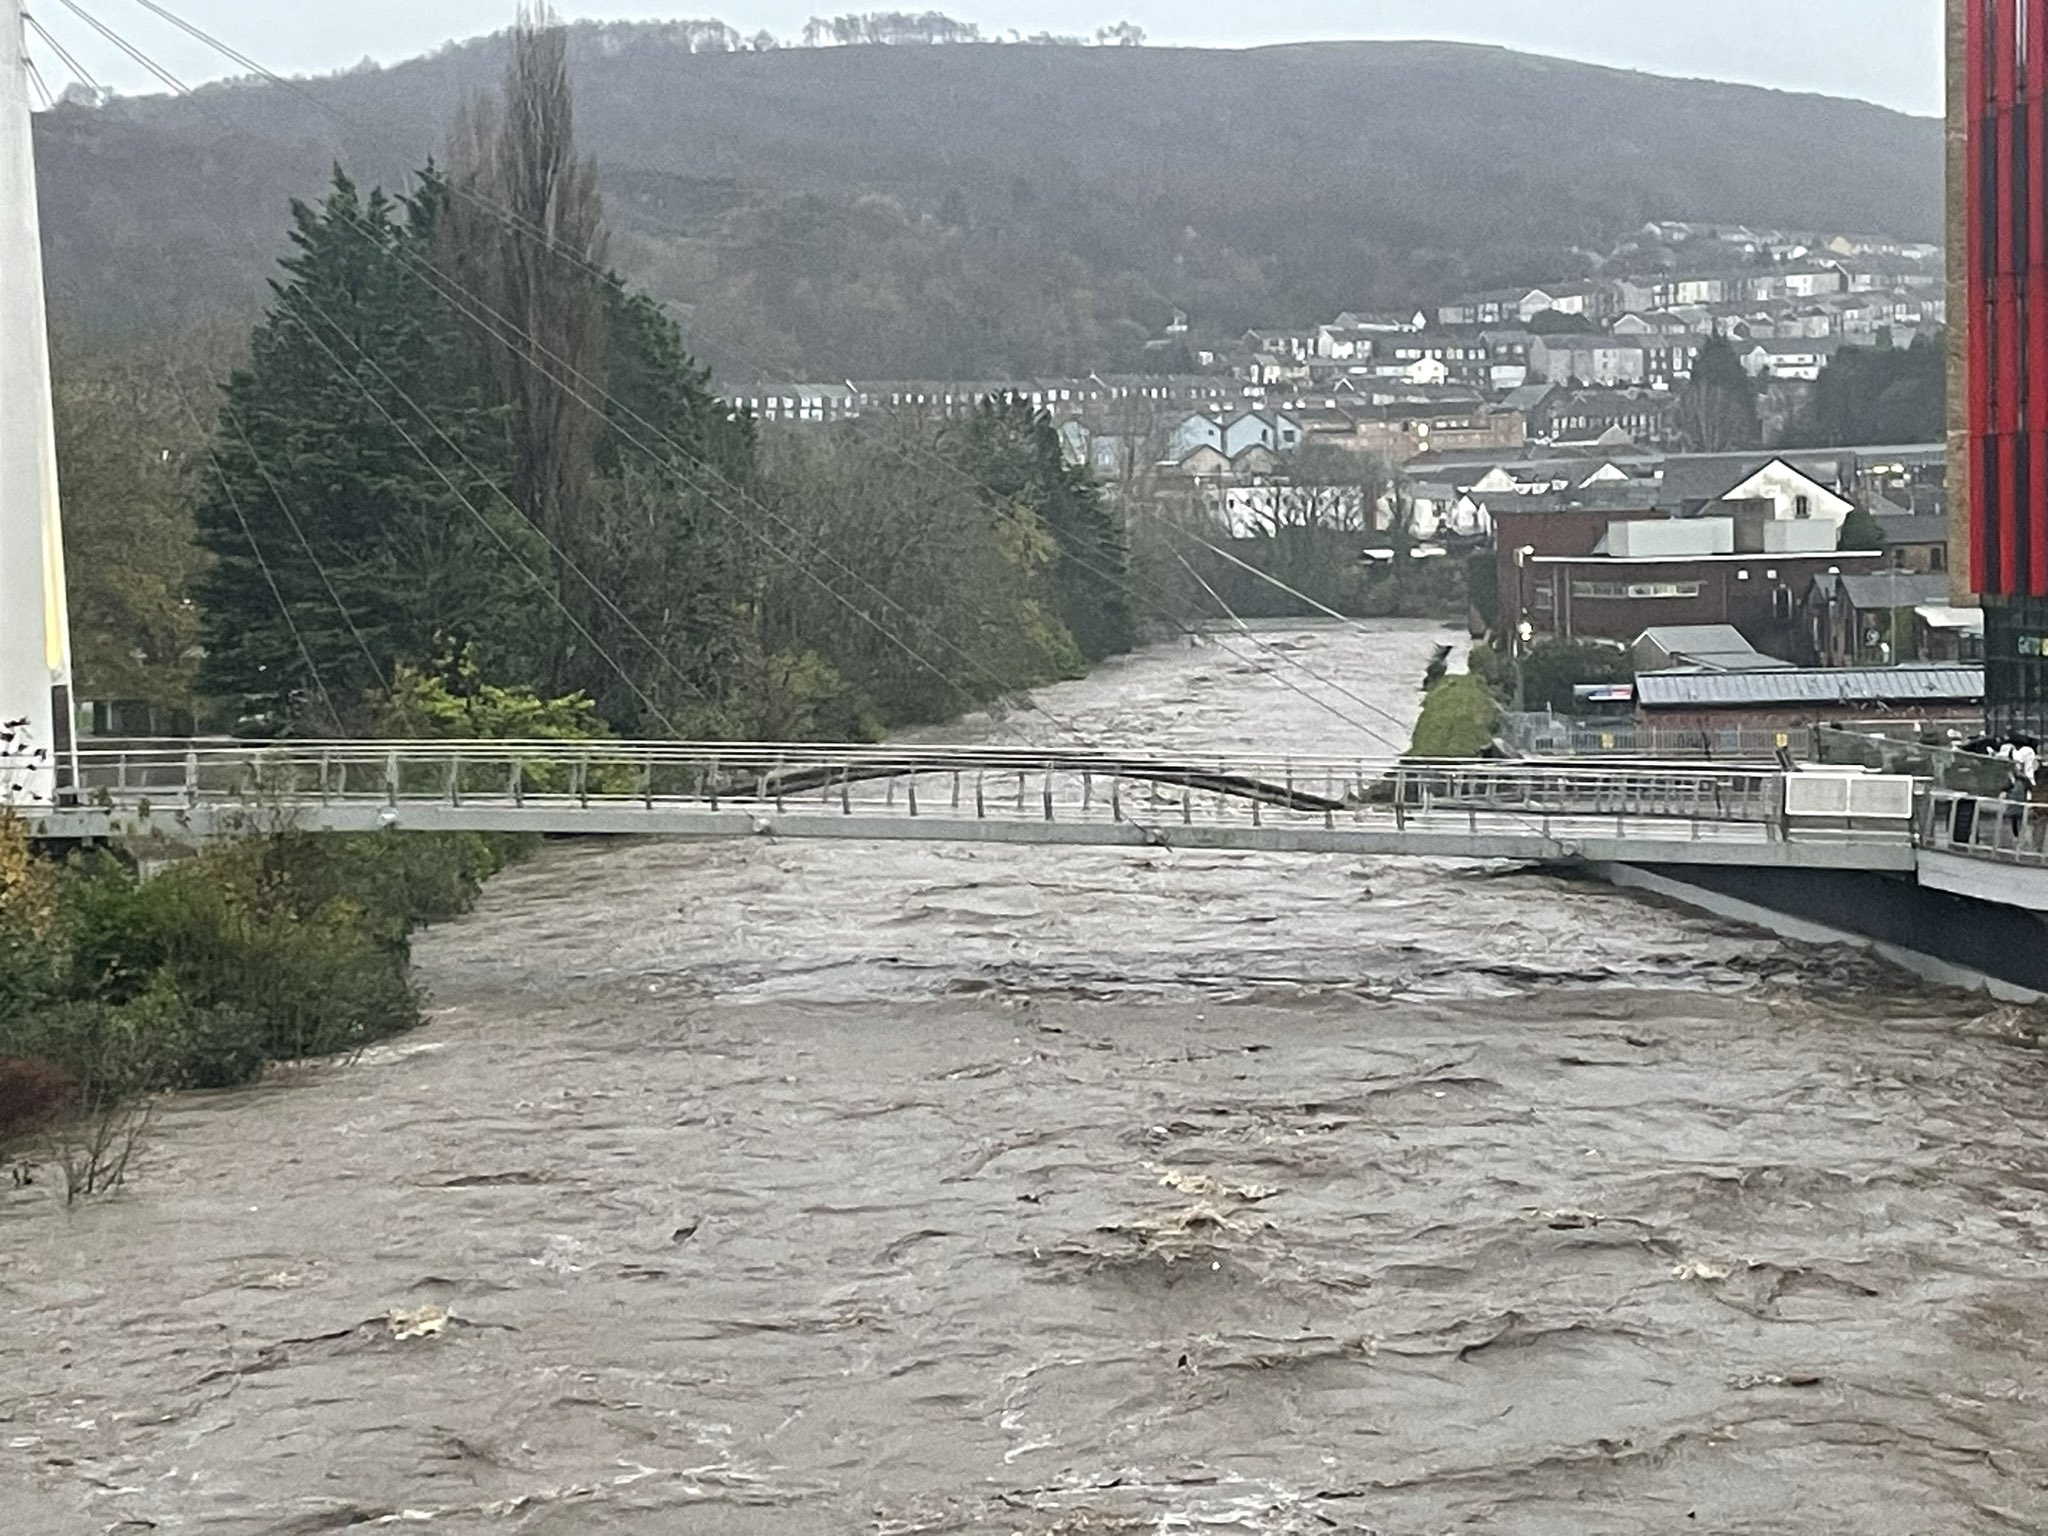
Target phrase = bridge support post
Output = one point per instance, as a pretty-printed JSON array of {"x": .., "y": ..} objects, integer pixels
[{"x": 36, "y": 710}]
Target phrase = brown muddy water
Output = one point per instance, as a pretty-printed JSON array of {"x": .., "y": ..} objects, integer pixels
[{"x": 808, "y": 1189}]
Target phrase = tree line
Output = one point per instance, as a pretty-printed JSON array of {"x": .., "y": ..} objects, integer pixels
[{"x": 460, "y": 452}]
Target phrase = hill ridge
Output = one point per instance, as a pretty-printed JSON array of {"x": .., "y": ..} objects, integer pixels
[{"x": 977, "y": 209}]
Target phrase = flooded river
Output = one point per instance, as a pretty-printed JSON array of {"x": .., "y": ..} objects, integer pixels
[{"x": 815, "y": 1190}]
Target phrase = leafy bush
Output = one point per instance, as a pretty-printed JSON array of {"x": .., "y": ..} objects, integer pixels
[
  {"x": 200, "y": 976},
  {"x": 1459, "y": 720},
  {"x": 1552, "y": 670}
]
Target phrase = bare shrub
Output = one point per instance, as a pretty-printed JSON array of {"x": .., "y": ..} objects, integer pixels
[{"x": 96, "y": 1148}]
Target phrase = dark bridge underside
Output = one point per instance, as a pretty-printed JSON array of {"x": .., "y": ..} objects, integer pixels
[{"x": 2008, "y": 944}]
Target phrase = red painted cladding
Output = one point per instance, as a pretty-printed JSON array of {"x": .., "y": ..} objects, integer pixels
[{"x": 2007, "y": 83}]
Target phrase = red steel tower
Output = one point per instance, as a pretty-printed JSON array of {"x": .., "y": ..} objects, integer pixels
[{"x": 1999, "y": 235}]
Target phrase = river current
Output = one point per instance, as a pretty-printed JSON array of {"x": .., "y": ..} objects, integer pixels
[{"x": 812, "y": 1190}]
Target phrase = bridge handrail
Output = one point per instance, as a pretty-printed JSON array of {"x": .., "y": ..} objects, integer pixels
[
  {"x": 202, "y": 768},
  {"x": 1981, "y": 827},
  {"x": 991, "y": 781},
  {"x": 543, "y": 749}
]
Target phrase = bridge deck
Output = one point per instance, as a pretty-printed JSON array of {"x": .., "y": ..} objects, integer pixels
[{"x": 1556, "y": 813}]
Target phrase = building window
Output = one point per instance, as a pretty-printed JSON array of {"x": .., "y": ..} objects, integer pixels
[
  {"x": 1802, "y": 506},
  {"x": 1635, "y": 591}
]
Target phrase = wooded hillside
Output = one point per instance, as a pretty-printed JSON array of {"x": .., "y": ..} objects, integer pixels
[{"x": 983, "y": 210}]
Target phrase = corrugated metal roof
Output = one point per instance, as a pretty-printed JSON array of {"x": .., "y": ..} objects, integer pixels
[
  {"x": 1895, "y": 589},
  {"x": 1847, "y": 685}
]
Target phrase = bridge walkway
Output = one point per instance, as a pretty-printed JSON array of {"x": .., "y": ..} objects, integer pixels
[{"x": 1549, "y": 812}]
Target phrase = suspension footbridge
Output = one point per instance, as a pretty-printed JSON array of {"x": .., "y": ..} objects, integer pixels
[{"x": 1762, "y": 821}]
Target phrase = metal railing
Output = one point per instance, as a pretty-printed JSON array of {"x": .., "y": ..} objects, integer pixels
[
  {"x": 1849, "y": 746},
  {"x": 982, "y": 783},
  {"x": 1553, "y": 735},
  {"x": 1976, "y": 826}
]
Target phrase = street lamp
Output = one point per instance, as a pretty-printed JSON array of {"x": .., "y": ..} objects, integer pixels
[{"x": 1524, "y": 631}]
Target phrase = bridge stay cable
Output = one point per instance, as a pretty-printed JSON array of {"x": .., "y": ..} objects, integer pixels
[
  {"x": 142, "y": 58},
  {"x": 514, "y": 220},
  {"x": 64, "y": 55},
  {"x": 277, "y": 593}
]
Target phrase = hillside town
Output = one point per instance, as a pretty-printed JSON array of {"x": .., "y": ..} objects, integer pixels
[
  {"x": 1543, "y": 430},
  {"x": 1579, "y": 361}
]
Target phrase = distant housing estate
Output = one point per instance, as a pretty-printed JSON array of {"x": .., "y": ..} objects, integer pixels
[{"x": 1558, "y": 401}]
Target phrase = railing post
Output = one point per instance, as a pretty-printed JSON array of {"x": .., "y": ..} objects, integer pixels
[
  {"x": 326, "y": 779},
  {"x": 516, "y": 786},
  {"x": 192, "y": 777},
  {"x": 583, "y": 781},
  {"x": 714, "y": 784},
  {"x": 1048, "y": 792},
  {"x": 453, "y": 780},
  {"x": 910, "y": 792},
  {"x": 980, "y": 796},
  {"x": 391, "y": 778}
]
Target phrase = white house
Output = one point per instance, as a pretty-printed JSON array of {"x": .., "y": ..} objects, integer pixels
[
  {"x": 1601, "y": 360},
  {"x": 1794, "y": 496},
  {"x": 1798, "y": 358},
  {"x": 1437, "y": 511}
]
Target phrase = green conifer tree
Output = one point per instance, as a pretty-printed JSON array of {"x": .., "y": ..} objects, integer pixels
[{"x": 349, "y": 505}]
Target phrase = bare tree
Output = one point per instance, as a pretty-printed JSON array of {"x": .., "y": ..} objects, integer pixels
[{"x": 527, "y": 235}]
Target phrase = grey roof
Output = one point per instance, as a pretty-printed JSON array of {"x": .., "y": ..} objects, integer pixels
[
  {"x": 1844, "y": 685},
  {"x": 1913, "y": 527},
  {"x": 1895, "y": 589},
  {"x": 1701, "y": 477},
  {"x": 1608, "y": 496},
  {"x": 1713, "y": 647},
  {"x": 1527, "y": 397}
]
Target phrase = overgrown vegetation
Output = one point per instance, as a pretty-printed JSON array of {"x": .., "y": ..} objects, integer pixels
[
  {"x": 1552, "y": 670},
  {"x": 1879, "y": 395},
  {"x": 114, "y": 988},
  {"x": 1459, "y": 719}
]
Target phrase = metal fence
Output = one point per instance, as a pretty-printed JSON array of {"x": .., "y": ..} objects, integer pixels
[
  {"x": 1553, "y": 735},
  {"x": 2009, "y": 831},
  {"x": 1942, "y": 766},
  {"x": 982, "y": 783}
]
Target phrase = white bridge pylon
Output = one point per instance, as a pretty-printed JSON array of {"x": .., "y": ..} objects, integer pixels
[{"x": 36, "y": 726}]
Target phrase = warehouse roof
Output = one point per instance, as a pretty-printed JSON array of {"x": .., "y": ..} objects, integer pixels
[{"x": 1692, "y": 689}]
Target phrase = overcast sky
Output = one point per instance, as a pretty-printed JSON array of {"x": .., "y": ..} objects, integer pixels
[{"x": 1887, "y": 51}]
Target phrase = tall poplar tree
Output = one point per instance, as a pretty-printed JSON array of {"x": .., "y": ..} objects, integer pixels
[{"x": 526, "y": 244}]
